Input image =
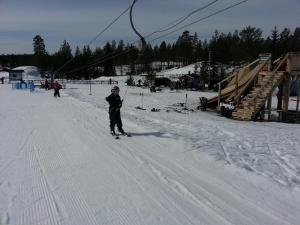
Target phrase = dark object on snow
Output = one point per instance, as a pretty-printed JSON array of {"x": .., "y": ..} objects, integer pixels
[
  {"x": 2, "y": 80},
  {"x": 46, "y": 85},
  {"x": 115, "y": 104},
  {"x": 155, "y": 110},
  {"x": 152, "y": 88},
  {"x": 203, "y": 103},
  {"x": 138, "y": 107},
  {"x": 57, "y": 86},
  {"x": 139, "y": 83},
  {"x": 226, "y": 112}
]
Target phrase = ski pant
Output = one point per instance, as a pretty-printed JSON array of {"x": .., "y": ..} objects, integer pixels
[
  {"x": 115, "y": 119},
  {"x": 56, "y": 93}
]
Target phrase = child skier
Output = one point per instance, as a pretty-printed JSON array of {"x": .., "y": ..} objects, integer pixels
[
  {"x": 115, "y": 104},
  {"x": 56, "y": 86}
]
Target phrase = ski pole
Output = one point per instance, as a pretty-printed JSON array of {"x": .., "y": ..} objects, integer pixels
[{"x": 125, "y": 93}]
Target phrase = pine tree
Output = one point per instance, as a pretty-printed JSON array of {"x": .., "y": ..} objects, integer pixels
[
  {"x": 108, "y": 64},
  {"x": 296, "y": 39},
  {"x": 61, "y": 57},
  {"x": 251, "y": 42},
  {"x": 275, "y": 44},
  {"x": 40, "y": 53},
  {"x": 39, "y": 47}
]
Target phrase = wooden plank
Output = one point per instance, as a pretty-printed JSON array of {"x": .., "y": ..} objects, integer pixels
[
  {"x": 298, "y": 96},
  {"x": 219, "y": 97},
  {"x": 286, "y": 95},
  {"x": 253, "y": 75},
  {"x": 269, "y": 105},
  {"x": 242, "y": 76}
]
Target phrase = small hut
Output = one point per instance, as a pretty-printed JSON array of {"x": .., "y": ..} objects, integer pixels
[{"x": 15, "y": 75}]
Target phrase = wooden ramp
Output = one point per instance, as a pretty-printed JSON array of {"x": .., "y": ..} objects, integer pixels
[
  {"x": 261, "y": 92},
  {"x": 252, "y": 86},
  {"x": 239, "y": 80}
]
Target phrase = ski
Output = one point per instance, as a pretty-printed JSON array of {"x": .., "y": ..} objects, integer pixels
[
  {"x": 125, "y": 134},
  {"x": 116, "y": 136}
]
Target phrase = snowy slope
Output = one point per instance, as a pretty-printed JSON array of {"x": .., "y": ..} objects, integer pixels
[
  {"x": 59, "y": 165},
  {"x": 176, "y": 72}
]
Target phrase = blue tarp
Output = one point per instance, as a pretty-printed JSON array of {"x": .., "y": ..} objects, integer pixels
[{"x": 294, "y": 88}]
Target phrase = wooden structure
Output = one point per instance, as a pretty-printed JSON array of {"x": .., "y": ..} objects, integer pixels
[{"x": 250, "y": 88}]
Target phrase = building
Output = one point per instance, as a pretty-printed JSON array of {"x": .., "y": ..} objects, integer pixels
[{"x": 15, "y": 75}]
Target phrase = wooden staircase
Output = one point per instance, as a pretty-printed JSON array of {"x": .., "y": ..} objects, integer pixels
[{"x": 252, "y": 103}]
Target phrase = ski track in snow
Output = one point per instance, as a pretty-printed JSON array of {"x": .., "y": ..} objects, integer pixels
[
  {"x": 62, "y": 167},
  {"x": 229, "y": 141}
]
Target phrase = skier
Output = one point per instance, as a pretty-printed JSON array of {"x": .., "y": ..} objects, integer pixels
[
  {"x": 2, "y": 80},
  {"x": 56, "y": 86},
  {"x": 47, "y": 85},
  {"x": 115, "y": 104}
]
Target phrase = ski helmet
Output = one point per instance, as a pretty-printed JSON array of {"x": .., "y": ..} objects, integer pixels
[{"x": 115, "y": 89}]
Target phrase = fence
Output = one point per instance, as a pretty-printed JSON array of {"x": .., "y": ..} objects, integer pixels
[{"x": 91, "y": 82}]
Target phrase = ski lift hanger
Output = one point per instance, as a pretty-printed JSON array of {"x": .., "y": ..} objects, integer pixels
[{"x": 133, "y": 27}]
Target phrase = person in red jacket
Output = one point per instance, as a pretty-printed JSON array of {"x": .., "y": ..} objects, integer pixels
[{"x": 56, "y": 86}]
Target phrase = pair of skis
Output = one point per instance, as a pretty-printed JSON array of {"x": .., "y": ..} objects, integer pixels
[{"x": 117, "y": 136}]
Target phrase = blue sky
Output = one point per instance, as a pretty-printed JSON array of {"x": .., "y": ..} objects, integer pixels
[{"x": 78, "y": 21}]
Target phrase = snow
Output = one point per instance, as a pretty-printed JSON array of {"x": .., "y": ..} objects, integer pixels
[
  {"x": 176, "y": 72},
  {"x": 4, "y": 74},
  {"x": 59, "y": 165}
]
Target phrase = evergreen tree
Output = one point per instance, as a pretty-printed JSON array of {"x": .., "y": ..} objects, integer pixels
[
  {"x": 62, "y": 57},
  {"x": 251, "y": 43},
  {"x": 184, "y": 47},
  {"x": 108, "y": 64},
  {"x": 163, "y": 53},
  {"x": 40, "y": 53},
  {"x": 275, "y": 44},
  {"x": 285, "y": 40},
  {"x": 39, "y": 47},
  {"x": 296, "y": 39}
]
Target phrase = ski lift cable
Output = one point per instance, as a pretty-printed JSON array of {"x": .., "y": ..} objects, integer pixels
[
  {"x": 97, "y": 36},
  {"x": 103, "y": 59},
  {"x": 167, "y": 27},
  {"x": 182, "y": 19},
  {"x": 162, "y": 29},
  {"x": 201, "y": 19}
]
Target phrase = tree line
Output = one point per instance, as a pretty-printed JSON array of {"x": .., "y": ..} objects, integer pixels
[{"x": 232, "y": 48}]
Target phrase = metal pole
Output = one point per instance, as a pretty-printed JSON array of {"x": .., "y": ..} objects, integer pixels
[
  {"x": 298, "y": 97},
  {"x": 90, "y": 86},
  {"x": 186, "y": 100},
  {"x": 285, "y": 108},
  {"x": 219, "y": 97}
]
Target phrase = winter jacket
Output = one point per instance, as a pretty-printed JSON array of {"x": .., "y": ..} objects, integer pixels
[
  {"x": 57, "y": 86},
  {"x": 115, "y": 102}
]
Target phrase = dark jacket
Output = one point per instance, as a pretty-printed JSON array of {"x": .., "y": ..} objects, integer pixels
[
  {"x": 57, "y": 86},
  {"x": 115, "y": 103}
]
